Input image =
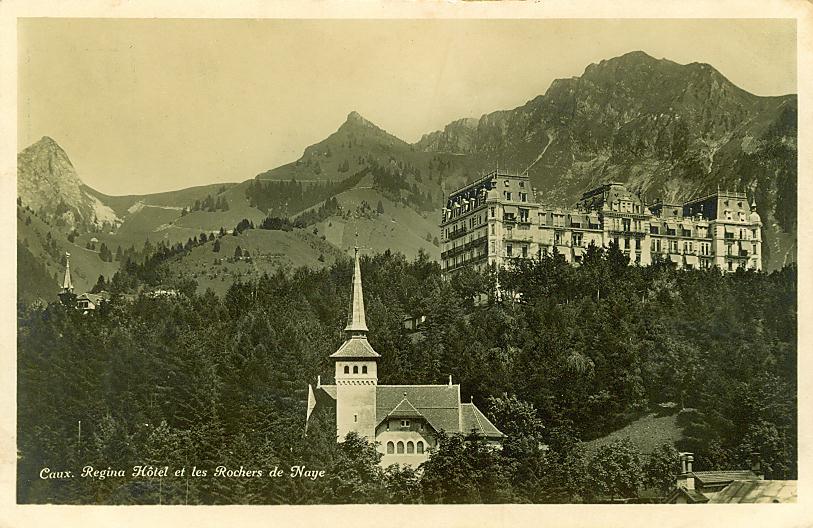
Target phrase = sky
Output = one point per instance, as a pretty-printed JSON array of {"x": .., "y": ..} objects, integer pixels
[{"x": 150, "y": 105}]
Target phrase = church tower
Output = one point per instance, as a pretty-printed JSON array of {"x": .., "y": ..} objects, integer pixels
[
  {"x": 66, "y": 293},
  {"x": 356, "y": 368}
]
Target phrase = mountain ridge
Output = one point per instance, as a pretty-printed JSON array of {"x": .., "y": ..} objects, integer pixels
[{"x": 668, "y": 130}]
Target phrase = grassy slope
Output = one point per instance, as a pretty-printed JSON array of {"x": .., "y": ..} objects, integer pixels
[
  {"x": 399, "y": 228},
  {"x": 269, "y": 250},
  {"x": 647, "y": 433},
  {"x": 179, "y": 198}
]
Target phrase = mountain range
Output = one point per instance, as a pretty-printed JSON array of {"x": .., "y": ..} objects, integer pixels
[{"x": 667, "y": 130}]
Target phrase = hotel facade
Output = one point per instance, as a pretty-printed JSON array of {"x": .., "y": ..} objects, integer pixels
[{"x": 498, "y": 218}]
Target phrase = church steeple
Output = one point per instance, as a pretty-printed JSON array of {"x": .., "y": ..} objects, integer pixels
[
  {"x": 356, "y": 321},
  {"x": 67, "y": 285},
  {"x": 356, "y": 370}
]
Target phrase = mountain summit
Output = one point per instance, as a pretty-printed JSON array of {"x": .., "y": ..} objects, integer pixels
[{"x": 48, "y": 183}]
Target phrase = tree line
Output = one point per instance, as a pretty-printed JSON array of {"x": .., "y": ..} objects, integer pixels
[{"x": 555, "y": 356}]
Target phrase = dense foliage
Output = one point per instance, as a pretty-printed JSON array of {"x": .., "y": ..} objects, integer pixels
[{"x": 564, "y": 354}]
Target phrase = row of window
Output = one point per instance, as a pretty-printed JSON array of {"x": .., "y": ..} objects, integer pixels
[
  {"x": 355, "y": 369},
  {"x": 411, "y": 447},
  {"x": 523, "y": 196}
]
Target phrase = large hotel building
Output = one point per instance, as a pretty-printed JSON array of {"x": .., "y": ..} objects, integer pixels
[{"x": 498, "y": 218}]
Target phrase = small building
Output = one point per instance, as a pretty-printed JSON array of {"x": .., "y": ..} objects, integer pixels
[
  {"x": 402, "y": 419},
  {"x": 728, "y": 486},
  {"x": 91, "y": 301}
]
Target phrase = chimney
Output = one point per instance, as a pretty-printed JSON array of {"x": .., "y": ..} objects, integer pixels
[
  {"x": 756, "y": 465},
  {"x": 686, "y": 479},
  {"x": 450, "y": 380},
  {"x": 318, "y": 381}
]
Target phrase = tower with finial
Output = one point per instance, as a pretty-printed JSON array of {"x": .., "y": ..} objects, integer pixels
[
  {"x": 66, "y": 292},
  {"x": 356, "y": 369}
]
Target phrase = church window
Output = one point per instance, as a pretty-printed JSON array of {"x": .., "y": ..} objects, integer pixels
[
  {"x": 355, "y": 369},
  {"x": 400, "y": 448},
  {"x": 420, "y": 447},
  {"x": 410, "y": 447},
  {"x": 404, "y": 423},
  {"x": 346, "y": 369},
  {"x": 390, "y": 448},
  {"x": 355, "y": 417},
  {"x": 364, "y": 369}
]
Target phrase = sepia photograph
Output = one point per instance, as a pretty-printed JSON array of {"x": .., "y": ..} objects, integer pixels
[{"x": 281, "y": 261}]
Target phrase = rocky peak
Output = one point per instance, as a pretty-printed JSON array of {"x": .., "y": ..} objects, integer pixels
[{"x": 354, "y": 118}]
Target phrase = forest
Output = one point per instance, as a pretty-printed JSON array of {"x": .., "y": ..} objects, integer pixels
[{"x": 555, "y": 356}]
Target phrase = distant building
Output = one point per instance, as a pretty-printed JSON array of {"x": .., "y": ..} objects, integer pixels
[
  {"x": 498, "y": 218},
  {"x": 403, "y": 419},
  {"x": 86, "y": 301},
  {"x": 91, "y": 301},
  {"x": 728, "y": 486}
]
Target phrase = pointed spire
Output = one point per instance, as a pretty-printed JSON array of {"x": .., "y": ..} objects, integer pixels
[
  {"x": 67, "y": 285},
  {"x": 356, "y": 321}
]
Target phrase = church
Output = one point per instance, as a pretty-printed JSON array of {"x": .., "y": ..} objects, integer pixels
[{"x": 402, "y": 419}]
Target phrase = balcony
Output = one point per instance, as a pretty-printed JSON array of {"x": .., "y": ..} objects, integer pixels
[{"x": 459, "y": 233}]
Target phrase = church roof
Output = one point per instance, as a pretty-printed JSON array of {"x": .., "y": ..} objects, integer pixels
[
  {"x": 356, "y": 321},
  {"x": 474, "y": 420},
  {"x": 357, "y": 347},
  {"x": 438, "y": 404}
]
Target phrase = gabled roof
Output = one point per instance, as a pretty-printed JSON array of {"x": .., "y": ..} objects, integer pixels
[
  {"x": 474, "y": 420},
  {"x": 757, "y": 491},
  {"x": 438, "y": 404},
  {"x": 357, "y": 347},
  {"x": 405, "y": 409},
  {"x": 716, "y": 478}
]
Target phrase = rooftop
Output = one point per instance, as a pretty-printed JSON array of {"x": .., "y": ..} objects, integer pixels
[
  {"x": 757, "y": 491},
  {"x": 356, "y": 347}
]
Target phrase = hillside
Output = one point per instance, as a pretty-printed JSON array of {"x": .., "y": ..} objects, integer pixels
[
  {"x": 268, "y": 252},
  {"x": 671, "y": 131}
]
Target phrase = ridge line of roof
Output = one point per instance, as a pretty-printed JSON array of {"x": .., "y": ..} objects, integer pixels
[
  {"x": 486, "y": 418},
  {"x": 476, "y": 417}
]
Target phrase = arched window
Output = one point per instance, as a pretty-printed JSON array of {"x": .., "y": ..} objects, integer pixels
[
  {"x": 355, "y": 369},
  {"x": 400, "y": 448},
  {"x": 390, "y": 448},
  {"x": 420, "y": 447},
  {"x": 346, "y": 369},
  {"x": 410, "y": 447},
  {"x": 364, "y": 369}
]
